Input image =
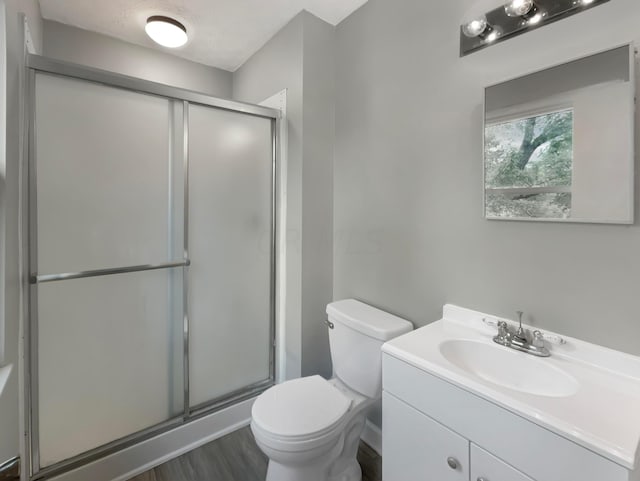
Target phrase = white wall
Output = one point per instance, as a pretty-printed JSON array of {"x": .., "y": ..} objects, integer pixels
[
  {"x": 409, "y": 230},
  {"x": 107, "y": 53},
  {"x": 300, "y": 58},
  {"x": 9, "y": 405}
]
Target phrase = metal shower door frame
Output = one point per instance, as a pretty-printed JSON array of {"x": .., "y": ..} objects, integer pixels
[{"x": 37, "y": 64}]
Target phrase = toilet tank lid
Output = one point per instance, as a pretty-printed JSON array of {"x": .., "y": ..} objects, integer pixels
[{"x": 368, "y": 320}]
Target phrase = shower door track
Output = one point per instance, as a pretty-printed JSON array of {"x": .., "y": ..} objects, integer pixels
[{"x": 35, "y": 64}]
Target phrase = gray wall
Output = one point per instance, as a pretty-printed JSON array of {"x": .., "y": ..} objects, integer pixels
[
  {"x": 276, "y": 66},
  {"x": 100, "y": 51},
  {"x": 300, "y": 59},
  {"x": 9, "y": 401},
  {"x": 409, "y": 231},
  {"x": 317, "y": 189}
]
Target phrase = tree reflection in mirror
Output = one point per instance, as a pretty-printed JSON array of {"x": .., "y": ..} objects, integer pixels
[{"x": 528, "y": 166}]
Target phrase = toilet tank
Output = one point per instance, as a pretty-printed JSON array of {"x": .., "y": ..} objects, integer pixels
[{"x": 357, "y": 331}]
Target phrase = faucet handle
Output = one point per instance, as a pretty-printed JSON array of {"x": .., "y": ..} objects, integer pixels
[
  {"x": 554, "y": 339},
  {"x": 538, "y": 339},
  {"x": 504, "y": 336},
  {"x": 488, "y": 321},
  {"x": 503, "y": 328}
]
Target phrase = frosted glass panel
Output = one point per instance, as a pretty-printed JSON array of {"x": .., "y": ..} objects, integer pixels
[
  {"x": 103, "y": 176},
  {"x": 110, "y": 359},
  {"x": 229, "y": 246}
]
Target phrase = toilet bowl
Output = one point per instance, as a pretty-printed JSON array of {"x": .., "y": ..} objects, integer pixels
[{"x": 310, "y": 428}]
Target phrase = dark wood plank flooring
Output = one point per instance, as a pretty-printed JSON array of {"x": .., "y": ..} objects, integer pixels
[{"x": 236, "y": 457}]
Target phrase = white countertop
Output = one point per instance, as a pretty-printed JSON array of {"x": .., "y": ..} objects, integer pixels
[{"x": 602, "y": 416}]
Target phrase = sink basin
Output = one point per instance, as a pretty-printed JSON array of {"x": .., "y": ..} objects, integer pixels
[{"x": 510, "y": 369}]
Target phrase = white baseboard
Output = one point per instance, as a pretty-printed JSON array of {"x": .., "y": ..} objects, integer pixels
[
  {"x": 372, "y": 435},
  {"x": 148, "y": 454}
]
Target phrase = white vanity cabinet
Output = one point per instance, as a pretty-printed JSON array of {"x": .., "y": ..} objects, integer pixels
[
  {"x": 428, "y": 422},
  {"x": 418, "y": 448}
]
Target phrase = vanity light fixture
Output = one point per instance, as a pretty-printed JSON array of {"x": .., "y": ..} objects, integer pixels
[
  {"x": 166, "y": 31},
  {"x": 480, "y": 28},
  {"x": 516, "y": 17},
  {"x": 475, "y": 27},
  {"x": 519, "y": 8},
  {"x": 535, "y": 19},
  {"x": 492, "y": 37},
  {"x": 527, "y": 10}
]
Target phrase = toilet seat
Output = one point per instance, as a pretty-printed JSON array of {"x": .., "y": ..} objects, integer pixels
[{"x": 300, "y": 415}]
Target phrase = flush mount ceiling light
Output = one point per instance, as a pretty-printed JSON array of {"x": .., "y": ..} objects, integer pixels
[
  {"x": 166, "y": 31},
  {"x": 515, "y": 17}
]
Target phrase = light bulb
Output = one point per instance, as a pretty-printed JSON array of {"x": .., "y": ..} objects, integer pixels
[
  {"x": 518, "y": 8},
  {"x": 535, "y": 19},
  {"x": 492, "y": 37},
  {"x": 475, "y": 27},
  {"x": 166, "y": 31}
]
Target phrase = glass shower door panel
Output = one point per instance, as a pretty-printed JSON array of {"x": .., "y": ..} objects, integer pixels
[
  {"x": 104, "y": 177},
  {"x": 109, "y": 358},
  {"x": 230, "y": 184}
]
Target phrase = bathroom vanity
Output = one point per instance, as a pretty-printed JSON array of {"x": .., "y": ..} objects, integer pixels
[{"x": 457, "y": 406}]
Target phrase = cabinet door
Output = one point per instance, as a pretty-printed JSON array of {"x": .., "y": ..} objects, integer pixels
[
  {"x": 416, "y": 448},
  {"x": 486, "y": 467}
]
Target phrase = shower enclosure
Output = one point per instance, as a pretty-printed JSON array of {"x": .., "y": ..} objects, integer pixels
[{"x": 150, "y": 252}]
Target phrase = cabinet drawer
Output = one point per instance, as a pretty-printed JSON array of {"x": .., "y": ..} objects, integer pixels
[
  {"x": 416, "y": 448},
  {"x": 486, "y": 467}
]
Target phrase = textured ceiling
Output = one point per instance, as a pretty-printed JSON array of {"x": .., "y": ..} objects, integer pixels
[{"x": 222, "y": 33}]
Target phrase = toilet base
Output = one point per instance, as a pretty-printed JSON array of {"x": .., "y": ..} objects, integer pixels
[
  {"x": 302, "y": 467},
  {"x": 279, "y": 472},
  {"x": 352, "y": 473},
  {"x": 339, "y": 463}
]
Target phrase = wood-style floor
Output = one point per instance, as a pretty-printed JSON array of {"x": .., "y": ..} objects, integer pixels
[{"x": 236, "y": 457}]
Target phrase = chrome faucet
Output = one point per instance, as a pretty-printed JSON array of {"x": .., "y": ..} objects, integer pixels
[
  {"x": 520, "y": 334},
  {"x": 521, "y": 339}
]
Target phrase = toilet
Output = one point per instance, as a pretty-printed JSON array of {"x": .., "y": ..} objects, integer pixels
[{"x": 310, "y": 428}]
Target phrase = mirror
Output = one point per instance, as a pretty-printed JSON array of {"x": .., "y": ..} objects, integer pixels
[{"x": 559, "y": 143}]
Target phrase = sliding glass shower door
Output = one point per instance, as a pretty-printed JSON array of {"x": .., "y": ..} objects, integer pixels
[
  {"x": 151, "y": 259},
  {"x": 109, "y": 351},
  {"x": 230, "y": 208}
]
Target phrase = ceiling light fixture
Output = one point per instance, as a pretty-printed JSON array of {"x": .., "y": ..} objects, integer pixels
[{"x": 166, "y": 31}]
